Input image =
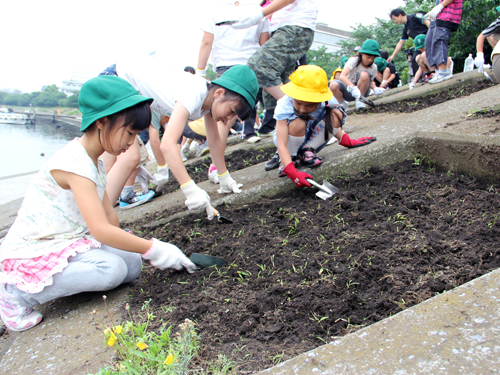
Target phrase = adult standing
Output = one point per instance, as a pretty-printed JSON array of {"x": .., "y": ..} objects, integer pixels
[{"x": 414, "y": 24}]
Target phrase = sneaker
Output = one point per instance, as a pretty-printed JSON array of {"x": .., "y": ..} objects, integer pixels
[
  {"x": 452, "y": 64},
  {"x": 212, "y": 174},
  {"x": 15, "y": 316},
  {"x": 265, "y": 134},
  {"x": 440, "y": 76},
  {"x": 360, "y": 104},
  {"x": 428, "y": 77},
  {"x": 202, "y": 149},
  {"x": 134, "y": 199},
  {"x": 253, "y": 139},
  {"x": 281, "y": 172},
  {"x": 273, "y": 163},
  {"x": 307, "y": 157}
]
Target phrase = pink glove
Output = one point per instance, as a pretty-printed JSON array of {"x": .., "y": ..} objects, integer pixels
[
  {"x": 346, "y": 141},
  {"x": 298, "y": 177}
]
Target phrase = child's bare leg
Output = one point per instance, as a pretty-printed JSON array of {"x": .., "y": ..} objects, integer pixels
[
  {"x": 363, "y": 82},
  {"x": 334, "y": 88}
]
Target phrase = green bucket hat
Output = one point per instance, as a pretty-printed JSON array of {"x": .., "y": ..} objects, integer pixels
[
  {"x": 419, "y": 41},
  {"x": 105, "y": 95},
  {"x": 498, "y": 9},
  {"x": 343, "y": 60},
  {"x": 370, "y": 47},
  {"x": 381, "y": 64},
  {"x": 242, "y": 80}
]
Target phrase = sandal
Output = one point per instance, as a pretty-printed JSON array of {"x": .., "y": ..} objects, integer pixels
[{"x": 307, "y": 157}]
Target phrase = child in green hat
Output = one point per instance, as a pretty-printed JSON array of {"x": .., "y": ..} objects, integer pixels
[
  {"x": 357, "y": 76},
  {"x": 66, "y": 238},
  {"x": 187, "y": 97}
]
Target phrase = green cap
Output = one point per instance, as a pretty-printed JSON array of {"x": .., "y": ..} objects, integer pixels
[
  {"x": 242, "y": 80},
  {"x": 370, "y": 47},
  {"x": 381, "y": 64},
  {"x": 419, "y": 41},
  {"x": 105, "y": 95},
  {"x": 498, "y": 9},
  {"x": 343, "y": 60}
]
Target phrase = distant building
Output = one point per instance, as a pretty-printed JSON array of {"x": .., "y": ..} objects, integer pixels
[
  {"x": 78, "y": 77},
  {"x": 329, "y": 37}
]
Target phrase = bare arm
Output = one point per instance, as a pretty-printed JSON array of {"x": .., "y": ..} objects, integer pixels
[
  {"x": 480, "y": 43},
  {"x": 344, "y": 79},
  {"x": 282, "y": 141},
  {"x": 205, "y": 49},
  {"x": 96, "y": 214},
  {"x": 264, "y": 37},
  {"x": 154, "y": 138},
  {"x": 216, "y": 143},
  {"x": 168, "y": 146},
  {"x": 400, "y": 45}
]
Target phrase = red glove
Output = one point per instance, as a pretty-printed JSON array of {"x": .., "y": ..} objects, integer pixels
[
  {"x": 346, "y": 141},
  {"x": 298, "y": 177}
]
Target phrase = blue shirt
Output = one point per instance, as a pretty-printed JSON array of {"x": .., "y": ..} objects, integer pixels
[{"x": 284, "y": 109}]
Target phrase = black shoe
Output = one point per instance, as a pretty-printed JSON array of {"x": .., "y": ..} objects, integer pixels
[{"x": 273, "y": 163}]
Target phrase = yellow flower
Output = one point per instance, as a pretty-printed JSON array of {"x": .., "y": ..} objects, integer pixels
[
  {"x": 141, "y": 345},
  {"x": 118, "y": 330},
  {"x": 112, "y": 339},
  {"x": 169, "y": 359}
]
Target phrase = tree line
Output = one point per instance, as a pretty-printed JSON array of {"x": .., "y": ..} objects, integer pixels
[
  {"x": 49, "y": 97},
  {"x": 476, "y": 16}
]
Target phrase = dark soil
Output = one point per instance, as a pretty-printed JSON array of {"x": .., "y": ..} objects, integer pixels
[
  {"x": 238, "y": 159},
  {"x": 301, "y": 271},
  {"x": 416, "y": 104}
]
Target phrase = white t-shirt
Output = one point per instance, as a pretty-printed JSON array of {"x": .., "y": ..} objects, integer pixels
[
  {"x": 166, "y": 85},
  {"x": 299, "y": 13},
  {"x": 233, "y": 46},
  {"x": 49, "y": 219},
  {"x": 355, "y": 70}
]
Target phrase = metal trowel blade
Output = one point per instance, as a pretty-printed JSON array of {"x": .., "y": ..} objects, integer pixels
[{"x": 203, "y": 261}]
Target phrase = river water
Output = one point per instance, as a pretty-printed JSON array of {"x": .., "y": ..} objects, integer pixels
[{"x": 25, "y": 148}]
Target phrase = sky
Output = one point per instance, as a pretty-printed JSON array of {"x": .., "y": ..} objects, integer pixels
[{"x": 46, "y": 42}]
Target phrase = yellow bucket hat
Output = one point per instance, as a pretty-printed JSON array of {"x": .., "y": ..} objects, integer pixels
[{"x": 308, "y": 83}]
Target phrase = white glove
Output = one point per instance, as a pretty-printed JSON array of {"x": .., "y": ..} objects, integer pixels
[
  {"x": 161, "y": 177},
  {"x": 197, "y": 199},
  {"x": 201, "y": 72},
  {"x": 479, "y": 60},
  {"x": 165, "y": 255},
  {"x": 252, "y": 19},
  {"x": 412, "y": 85},
  {"x": 378, "y": 90},
  {"x": 228, "y": 185},
  {"x": 354, "y": 91},
  {"x": 432, "y": 15}
]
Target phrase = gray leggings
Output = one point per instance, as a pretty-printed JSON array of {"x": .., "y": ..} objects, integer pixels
[{"x": 92, "y": 271}]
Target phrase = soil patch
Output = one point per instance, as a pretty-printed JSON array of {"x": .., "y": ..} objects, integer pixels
[
  {"x": 301, "y": 271},
  {"x": 416, "y": 104},
  {"x": 236, "y": 160}
]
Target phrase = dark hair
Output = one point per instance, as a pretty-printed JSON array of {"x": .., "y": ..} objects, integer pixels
[
  {"x": 243, "y": 108},
  {"x": 328, "y": 120},
  {"x": 384, "y": 54},
  {"x": 360, "y": 58},
  {"x": 397, "y": 12},
  {"x": 189, "y": 69},
  {"x": 138, "y": 117}
]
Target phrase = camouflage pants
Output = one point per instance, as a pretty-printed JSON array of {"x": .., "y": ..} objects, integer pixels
[{"x": 275, "y": 60}]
